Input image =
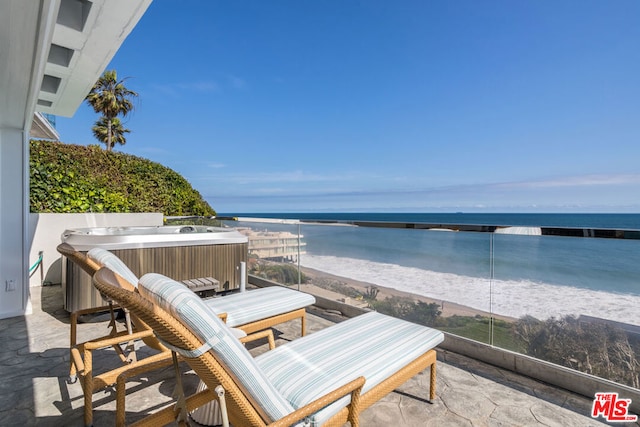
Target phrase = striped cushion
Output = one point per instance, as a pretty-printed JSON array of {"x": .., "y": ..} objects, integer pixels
[
  {"x": 371, "y": 345},
  {"x": 113, "y": 263},
  {"x": 189, "y": 309},
  {"x": 258, "y": 304}
]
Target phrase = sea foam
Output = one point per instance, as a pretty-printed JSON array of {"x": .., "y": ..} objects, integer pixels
[{"x": 509, "y": 297}]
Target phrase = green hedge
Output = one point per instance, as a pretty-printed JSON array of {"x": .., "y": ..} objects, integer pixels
[{"x": 75, "y": 178}]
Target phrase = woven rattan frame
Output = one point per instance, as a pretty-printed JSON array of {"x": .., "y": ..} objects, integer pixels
[
  {"x": 81, "y": 354},
  {"x": 259, "y": 325},
  {"x": 242, "y": 411}
]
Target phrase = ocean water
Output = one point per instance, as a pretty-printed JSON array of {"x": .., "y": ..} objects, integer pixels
[
  {"x": 512, "y": 275},
  {"x": 587, "y": 220}
]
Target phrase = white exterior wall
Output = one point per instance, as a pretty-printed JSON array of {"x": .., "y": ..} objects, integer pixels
[
  {"x": 45, "y": 230},
  {"x": 28, "y": 28},
  {"x": 13, "y": 208}
]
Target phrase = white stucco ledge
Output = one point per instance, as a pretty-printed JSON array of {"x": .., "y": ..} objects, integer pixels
[{"x": 45, "y": 231}]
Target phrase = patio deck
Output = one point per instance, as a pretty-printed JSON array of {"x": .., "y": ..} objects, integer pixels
[{"x": 34, "y": 361}]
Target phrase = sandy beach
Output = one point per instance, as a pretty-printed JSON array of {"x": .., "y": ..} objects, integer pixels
[{"x": 320, "y": 279}]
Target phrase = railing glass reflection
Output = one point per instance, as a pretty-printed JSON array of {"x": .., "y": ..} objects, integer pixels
[{"x": 567, "y": 296}]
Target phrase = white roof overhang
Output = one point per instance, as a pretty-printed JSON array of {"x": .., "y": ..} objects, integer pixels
[
  {"x": 41, "y": 128},
  {"x": 53, "y": 51}
]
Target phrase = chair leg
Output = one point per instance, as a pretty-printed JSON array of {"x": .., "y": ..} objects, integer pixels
[
  {"x": 354, "y": 408},
  {"x": 304, "y": 324},
  {"x": 223, "y": 406},
  {"x": 73, "y": 372},
  {"x": 120, "y": 400},
  {"x": 182, "y": 414},
  {"x": 112, "y": 322},
  {"x": 88, "y": 388},
  {"x": 131, "y": 345},
  {"x": 432, "y": 383}
]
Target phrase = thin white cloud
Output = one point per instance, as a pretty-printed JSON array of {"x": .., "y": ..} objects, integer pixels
[
  {"x": 296, "y": 176},
  {"x": 269, "y": 191},
  {"x": 578, "y": 193},
  {"x": 237, "y": 82},
  {"x": 202, "y": 86},
  {"x": 164, "y": 89},
  {"x": 576, "y": 181},
  {"x": 216, "y": 165},
  {"x": 152, "y": 150},
  {"x": 177, "y": 89}
]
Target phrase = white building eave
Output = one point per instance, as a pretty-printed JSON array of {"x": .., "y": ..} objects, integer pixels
[
  {"x": 81, "y": 48},
  {"x": 51, "y": 53},
  {"x": 41, "y": 128}
]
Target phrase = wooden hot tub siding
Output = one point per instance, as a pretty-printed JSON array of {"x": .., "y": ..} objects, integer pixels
[{"x": 221, "y": 261}]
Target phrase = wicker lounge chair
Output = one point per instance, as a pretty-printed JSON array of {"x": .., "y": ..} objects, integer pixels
[
  {"x": 250, "y": 311},
  {"x": 251, "y": 314},
  {"x": 90, "y": 267},
  {"x": 326, "y": 378}
]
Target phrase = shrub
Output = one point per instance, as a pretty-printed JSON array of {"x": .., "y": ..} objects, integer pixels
[{"x": 75, "y": 178}]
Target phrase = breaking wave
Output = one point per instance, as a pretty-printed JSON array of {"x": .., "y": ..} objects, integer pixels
[{"x": 514, "y": 298}]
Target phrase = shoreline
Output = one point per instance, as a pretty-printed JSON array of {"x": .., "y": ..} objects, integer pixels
[{"x": 448, "y": 308}]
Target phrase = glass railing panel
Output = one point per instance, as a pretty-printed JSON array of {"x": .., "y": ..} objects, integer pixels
[
  {"x": 434, "y": 277},
  {"x": 453, "y": 270},
  {"x": 438, "y": 278},
  {"x": 275, "y": 248},
  {"x": 572, "y": 301}
]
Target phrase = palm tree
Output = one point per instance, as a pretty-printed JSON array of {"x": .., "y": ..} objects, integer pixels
[
  {"x": 110, "y": 98},
  {"x": 110, "y": 132}
]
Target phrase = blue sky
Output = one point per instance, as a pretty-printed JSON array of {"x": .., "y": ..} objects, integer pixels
[{"x": 422, "y": 106}]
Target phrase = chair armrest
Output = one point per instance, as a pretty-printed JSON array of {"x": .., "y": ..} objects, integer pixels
[
  {"x": 354, "y": 387},
  {"x": 267, "y": 333},
  {"x": 120, "y": 339},
  {"x": 93, "y": 310},
  {"x": 75, "y": 315}
]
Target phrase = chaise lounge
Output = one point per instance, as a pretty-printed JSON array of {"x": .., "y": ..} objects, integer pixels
[
  {"x": 248, "y": 313},
  {"x": 325, "y": 378}
]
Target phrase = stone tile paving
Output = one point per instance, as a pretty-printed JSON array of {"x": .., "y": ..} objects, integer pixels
[{"x": 34, "y": 362}]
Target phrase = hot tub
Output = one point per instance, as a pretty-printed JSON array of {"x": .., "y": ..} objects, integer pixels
[{"x": 180, "y": 252}]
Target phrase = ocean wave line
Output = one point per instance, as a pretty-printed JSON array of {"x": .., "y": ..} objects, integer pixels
[{"x": 509, "y": 297}]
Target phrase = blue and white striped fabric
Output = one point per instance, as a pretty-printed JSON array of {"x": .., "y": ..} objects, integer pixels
[
  {"x": 258, "y": 304},
  {"x": 371, "y": 345},
  {"x": 189, "y": 309},
  {"x": 113, "y": 263}
]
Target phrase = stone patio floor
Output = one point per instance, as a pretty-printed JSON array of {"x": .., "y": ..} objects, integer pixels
[{"x": 34, "y": 363}]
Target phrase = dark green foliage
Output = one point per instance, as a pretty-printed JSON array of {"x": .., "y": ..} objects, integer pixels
[
  {"x": 424, "y": 313},
  {"x": 337, "y": 286},
  {"x": 371, "y": 293},
  {"x": 408, "y": 309},
  {"x": 194, "y": 220},
  {"x": 103, "y": 131},
  {"x": 110, "y": 98},
  {"x": 596, "y": 348},
  {"x": 479, "y": 328},
  {"x": 284, "y": 274},
  {"x": 74, "y": 178}
]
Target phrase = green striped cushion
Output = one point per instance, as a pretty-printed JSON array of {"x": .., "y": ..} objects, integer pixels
[
  {"x": 258, "y": 304},
  {"x": 371, "y": 345},
  {"x": 113, "y": 263},
  {"x": 189, "y": 309}
]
